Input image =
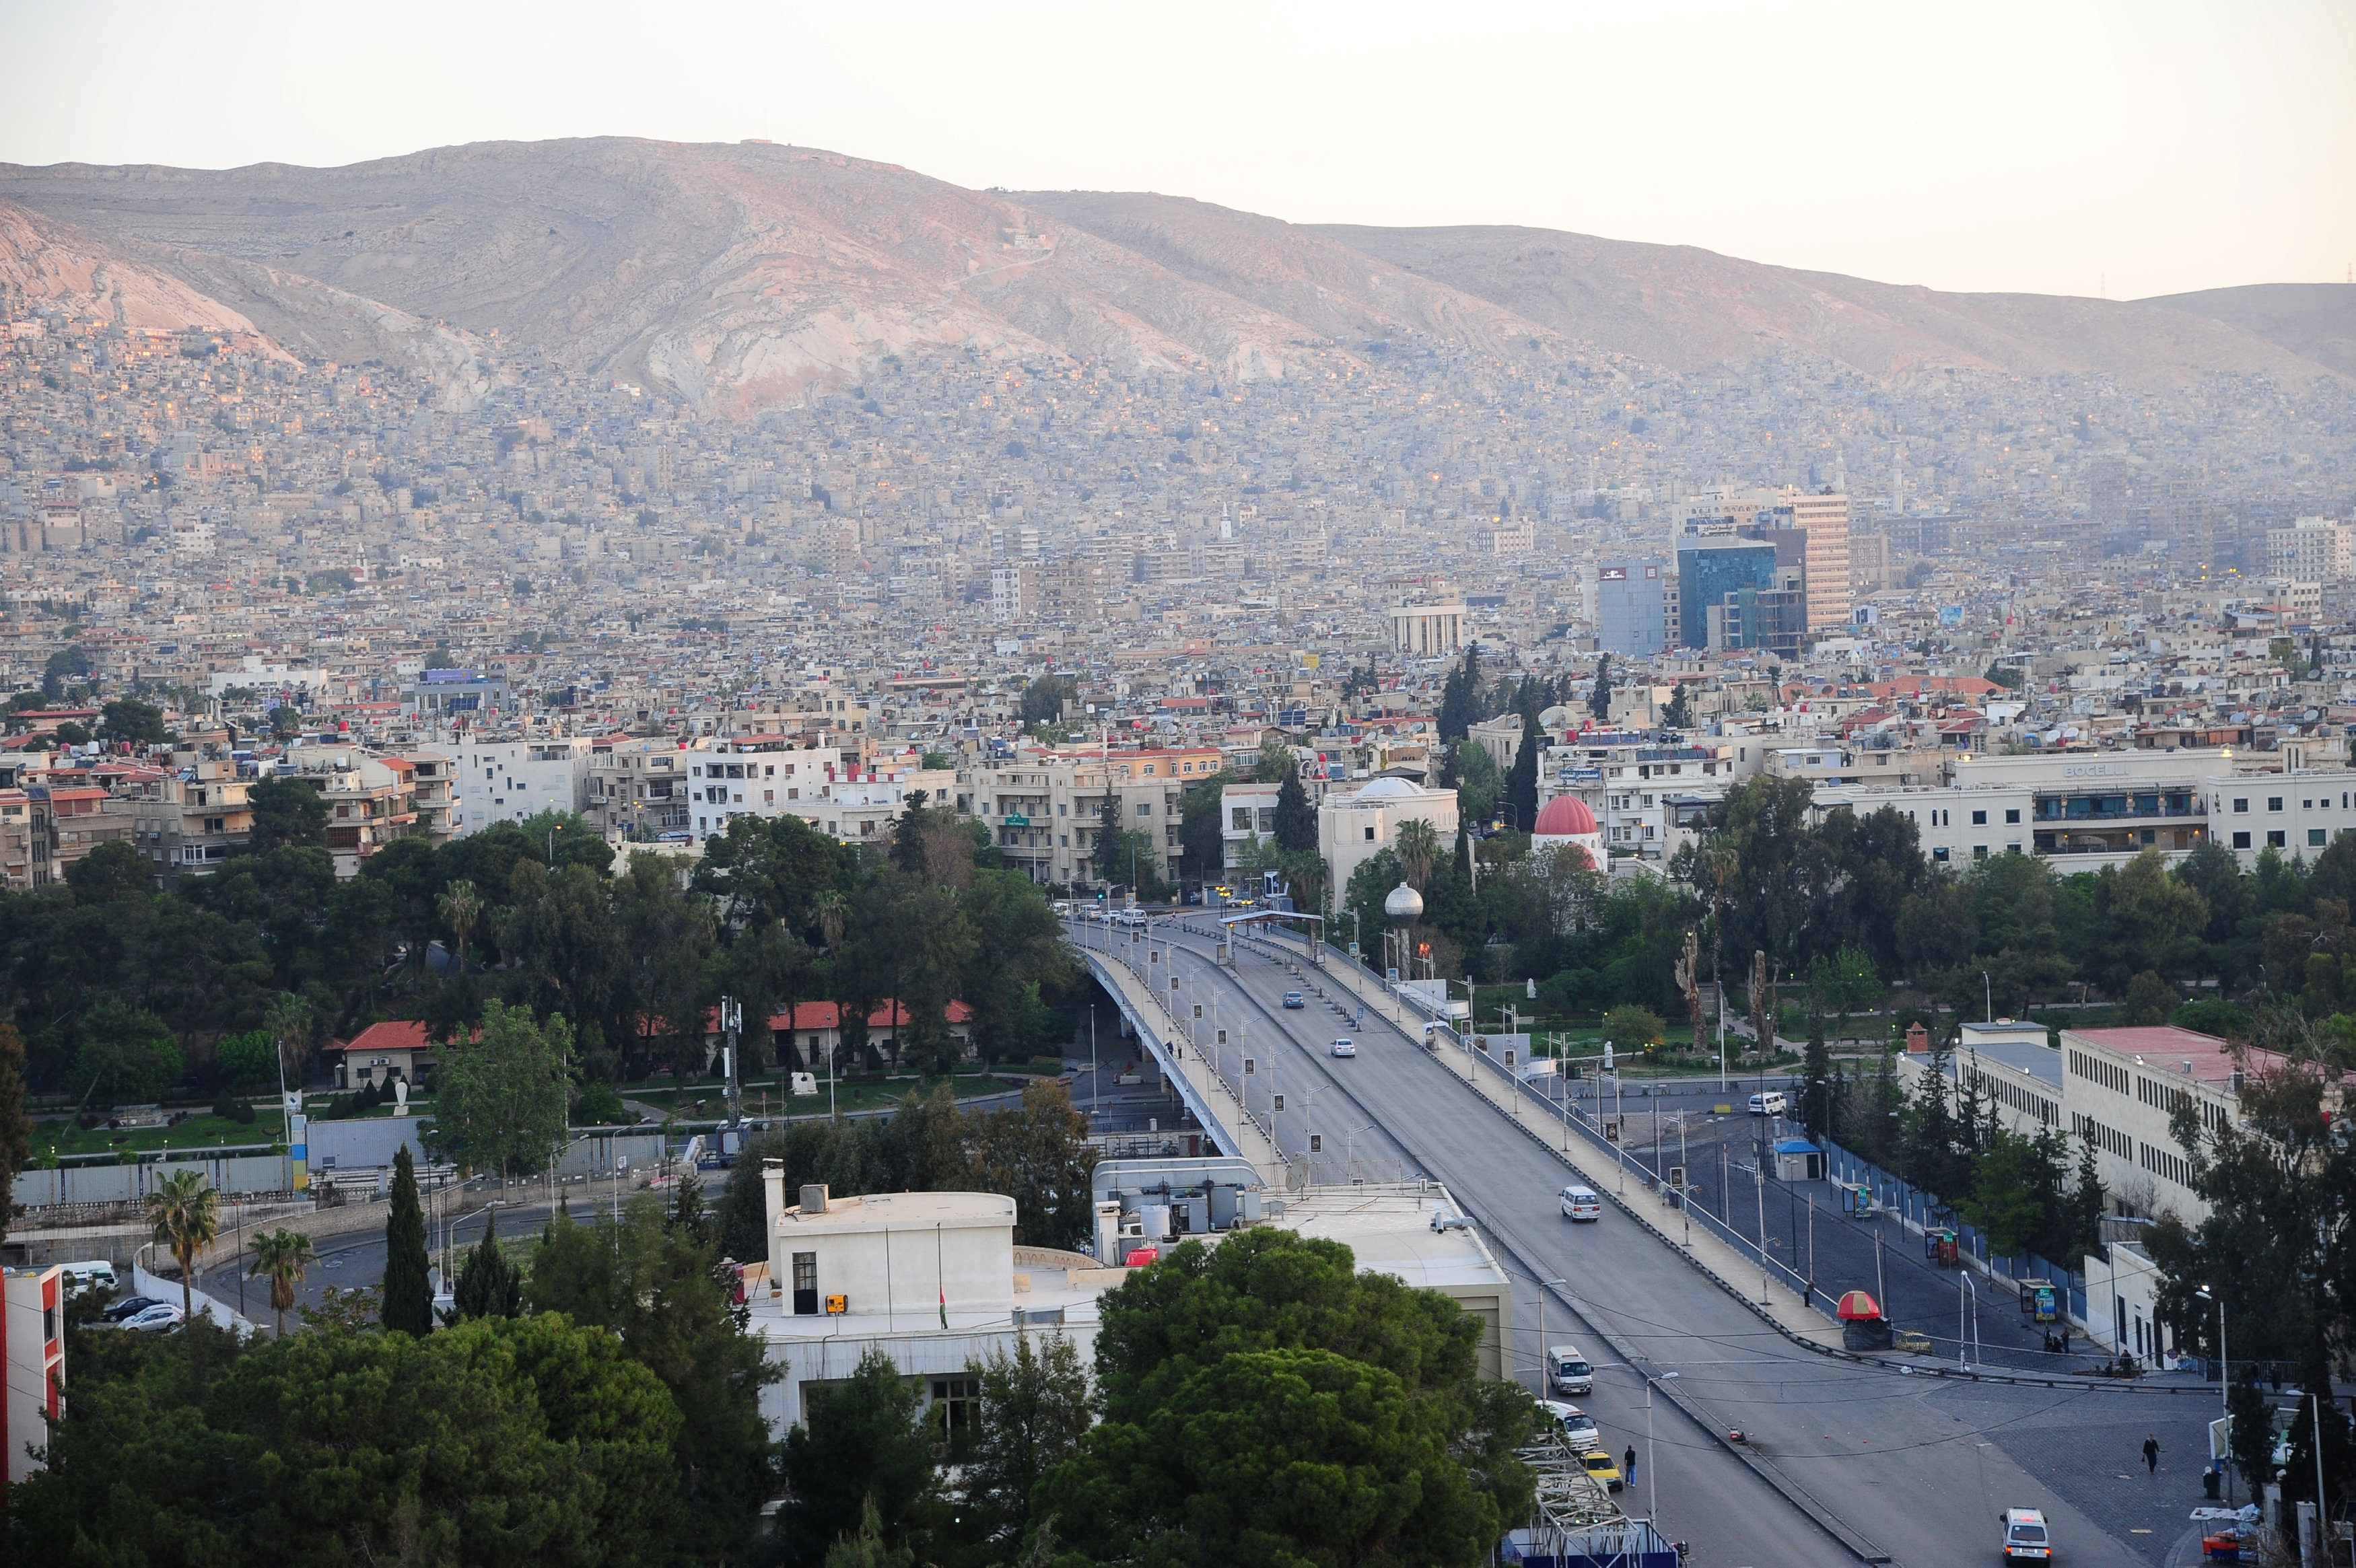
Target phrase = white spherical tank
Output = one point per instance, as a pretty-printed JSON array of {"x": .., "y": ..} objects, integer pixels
[{"x": 1404, "y": 906}]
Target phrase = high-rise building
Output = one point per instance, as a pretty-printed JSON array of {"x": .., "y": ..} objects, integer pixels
[
  {"x": 1822, "y": 515},
  {"x": 2312, "y": 550},
  {"x": 1629, "y": 604},
  {"x": 1708, "y": 570}
]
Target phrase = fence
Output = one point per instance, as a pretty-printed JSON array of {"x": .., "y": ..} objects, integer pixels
[
  {"x": 1590, "y": 1127},
  {"x": 1917, "y": 1210}
]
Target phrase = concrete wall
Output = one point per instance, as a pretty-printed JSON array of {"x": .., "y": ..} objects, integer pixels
[{"x": 146, "y": 1283}]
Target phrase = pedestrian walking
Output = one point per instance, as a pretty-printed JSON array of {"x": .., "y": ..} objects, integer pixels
[
  {"x": 2151, "y": 1454},
  {"x": 1629, "y": 1466}
]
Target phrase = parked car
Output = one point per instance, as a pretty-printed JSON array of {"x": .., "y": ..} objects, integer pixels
[
  {"x": 1774, "y": 1102},
  {"x": 81, "y": 1277},
  {"x": 1604, "y": 1468},
  {"x": 1345, "y": 1048},
  {"x": 1295, "y": 1000},
  {"x": 1581, "y": 1204},
  {"x": 116, "y": 1311},
  {"x": 154, "y": 1318}
]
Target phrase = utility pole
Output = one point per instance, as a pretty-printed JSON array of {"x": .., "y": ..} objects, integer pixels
[{"x": 732, "y": 1024}]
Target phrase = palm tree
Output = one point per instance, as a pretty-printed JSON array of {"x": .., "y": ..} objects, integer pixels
[
  {"x": 289, "y": 1023},
  {"x": 461, "y": 906},
  {"x": 832, "y": 911},
  {"x": 184, "y": 1209},
  {"x": 1419, "y": 849},
  {"x": 284, "y": 1257}
]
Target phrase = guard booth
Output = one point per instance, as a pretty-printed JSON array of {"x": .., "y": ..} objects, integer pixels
[{"x": 1797, "y": 1159}]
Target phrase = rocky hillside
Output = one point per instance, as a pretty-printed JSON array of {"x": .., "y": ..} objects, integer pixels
[
  {"x": 1693, "y": 310},
  {"x": 2315, "y": 321},
  {"x": 740, "y": 275}
]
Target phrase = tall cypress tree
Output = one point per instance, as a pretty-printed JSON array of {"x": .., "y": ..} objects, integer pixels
[
  {"x": 408, "y": 1298},
  {"x": 489, "y": 1285},
  {"x": 1522, "y": 780},
  {"x": 1459, "y": 697},
  {"x": 1296, "y": 819}
]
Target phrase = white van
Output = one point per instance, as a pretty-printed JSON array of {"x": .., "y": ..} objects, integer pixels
[
  {"x": 1568, "y": 1371},
  {"x": 79, "y": 1277},
  {"x": 1581, "y": 1203},
  {"x": 1774, "y": 1102},
  {"x": 2025, "y": 1538}
]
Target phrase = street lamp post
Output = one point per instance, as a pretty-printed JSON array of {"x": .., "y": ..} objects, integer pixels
[
  {"x": 1652, "y": 1475},
  {"x": 1544, "y": 1286},
  {"x": 2223, "y": 1401}
]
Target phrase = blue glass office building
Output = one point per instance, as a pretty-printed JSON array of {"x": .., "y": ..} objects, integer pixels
[{"x": 1711, "y": 569}]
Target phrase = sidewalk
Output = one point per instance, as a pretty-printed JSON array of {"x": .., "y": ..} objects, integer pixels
[{"x": 1232, "y": 1125}]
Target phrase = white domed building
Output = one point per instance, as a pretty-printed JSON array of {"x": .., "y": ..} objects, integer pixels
[
  {"x": 1563, "y": 820},
  {"x": 1353, "y": 828}
]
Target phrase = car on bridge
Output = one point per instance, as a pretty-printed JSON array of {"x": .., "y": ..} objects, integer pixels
[
  {"x": 1581, "y": 1203},
  {"x": 1295, "y": 1000},
  {"x": 1345, "y": 1048},
  {"x": 1579, "y": 1428},
  {"x": 2025, "y": 1539}
]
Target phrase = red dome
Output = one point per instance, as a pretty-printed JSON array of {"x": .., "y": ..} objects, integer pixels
[{"x": 1565, "y": 817}]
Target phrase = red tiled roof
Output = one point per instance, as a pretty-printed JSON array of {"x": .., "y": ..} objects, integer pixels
[{"x": 393, "y": 1034}]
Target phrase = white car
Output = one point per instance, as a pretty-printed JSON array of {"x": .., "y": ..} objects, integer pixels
[
  {"x": 1581, "y": 1204},
  {"x": 1345, "y": 1048},
  {"x": 1579, "y": 1428},
  {"x": 1774, "y": 1102},
  {"x": 1568, "y": 1371},
  {"x": 153, "y": 1320}
]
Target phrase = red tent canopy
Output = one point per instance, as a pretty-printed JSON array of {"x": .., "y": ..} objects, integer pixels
[{"x": 1858, "y": 1306}]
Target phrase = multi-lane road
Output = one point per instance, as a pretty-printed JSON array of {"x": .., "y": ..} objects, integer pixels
[{"x": 1915, "y": 1470}]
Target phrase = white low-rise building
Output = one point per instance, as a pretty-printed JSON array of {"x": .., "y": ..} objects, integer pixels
[
  {"x": 516, "y": 779},
  {"x": 930, "y": 1279},
  {"x": 1353, "y": 828}
]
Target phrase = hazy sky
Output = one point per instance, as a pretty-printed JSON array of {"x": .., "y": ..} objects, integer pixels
[{"x": 1992, "y": 146}]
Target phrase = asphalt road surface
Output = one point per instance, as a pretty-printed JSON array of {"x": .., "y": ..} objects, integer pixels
[{"x": 1919, "y": 1466}]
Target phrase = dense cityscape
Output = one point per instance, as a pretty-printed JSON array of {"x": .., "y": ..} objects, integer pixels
[{"x": 1423, "y": 947}]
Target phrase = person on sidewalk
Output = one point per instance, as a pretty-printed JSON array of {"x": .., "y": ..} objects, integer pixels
[
  {"x": 2151, "y": 1454},
  {"x": 1628, "y": 1466}
]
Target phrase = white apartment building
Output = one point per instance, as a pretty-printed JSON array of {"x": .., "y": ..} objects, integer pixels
[
  {"x": 2116, "y": 1091},
  {"x": 838, "y": 795},
  {"x": 1353, "y": 828},
  {"x": 515, "y": 779},
  {"x": 1647, "y": 798},
  {"x": 1247, "y": 811},
  {"x": 929, "y": 1279},
  {"x": 2312, "y": 550},
  {"x": 1044, "y": 808}
]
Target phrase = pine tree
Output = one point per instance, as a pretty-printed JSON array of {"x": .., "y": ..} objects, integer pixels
[
  {"x": 408, "y": 1296},
  {"x": 687, "y": 1216},
  {"x": 489, "y": 1285},
  {"x": 1600, "y": 704}
]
